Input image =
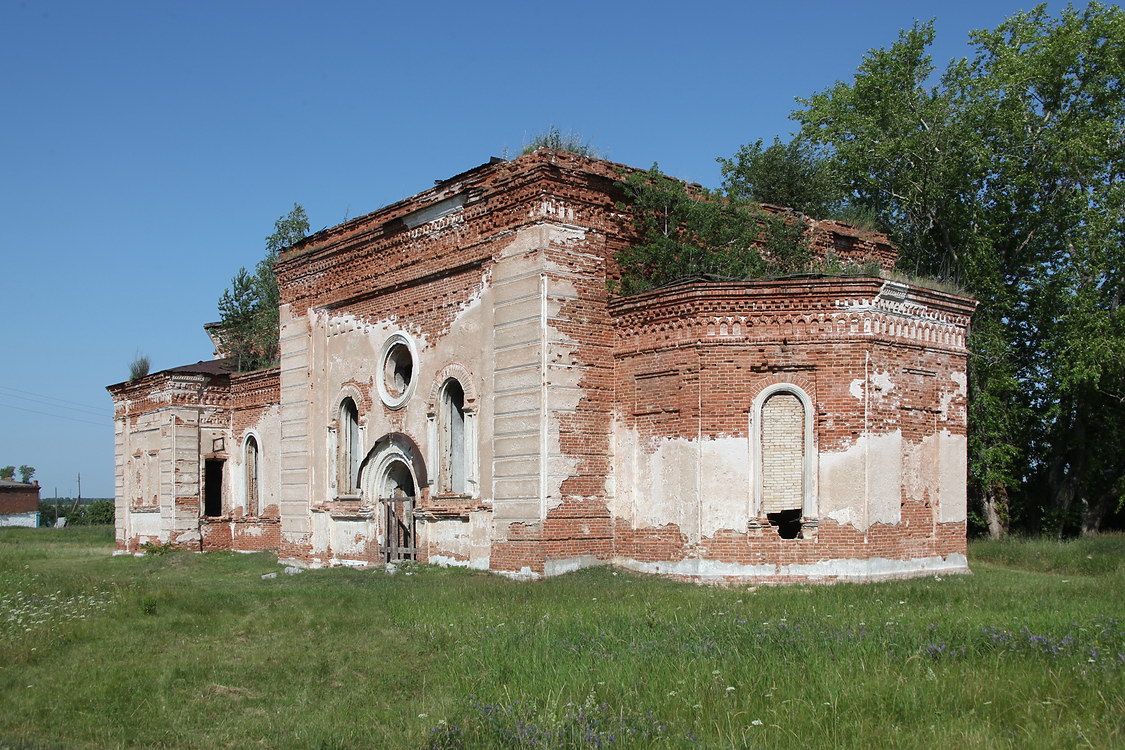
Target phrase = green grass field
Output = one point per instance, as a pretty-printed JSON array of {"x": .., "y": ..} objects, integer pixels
[{"x": 182, "y": 650}]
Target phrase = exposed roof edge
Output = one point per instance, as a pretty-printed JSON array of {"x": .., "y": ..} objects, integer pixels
[
  {"x": 211, "y": 367},
  {"x": 862, "y": 285}
]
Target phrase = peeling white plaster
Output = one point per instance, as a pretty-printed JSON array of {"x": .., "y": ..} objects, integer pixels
[
  {"x": 856, "y": 389},
  {"x": 523, "y": 574},
  {"x": 700, "y": 486},
  {"x": 881, "y": 379},
  {"x": 953, "y": 471},
  {"x": 569, "y": 565},
  {"x": 871, "y": 569},
  {"x": 28, "y": 520},
  {"x": 861, "y": 484},
  {"x": 960, "y": 392}
]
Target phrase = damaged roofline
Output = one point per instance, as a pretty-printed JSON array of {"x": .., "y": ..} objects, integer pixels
[
  {"x": 305, "y": 245},
  {"x": 388, "y": 214},
  {"x": 209, "y": 368}
]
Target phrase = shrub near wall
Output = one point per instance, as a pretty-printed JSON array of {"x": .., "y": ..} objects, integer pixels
[{"x": 94, "y": 513}]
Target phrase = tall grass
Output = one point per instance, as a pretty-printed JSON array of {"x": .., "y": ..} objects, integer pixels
[{"x": 198, "y": 651}]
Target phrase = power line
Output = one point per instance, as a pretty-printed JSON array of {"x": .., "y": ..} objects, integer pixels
[
  {"x": 53, "y": 398},
  {"x": 55, "y": 416},
  {"x": 60, "y": 403}
]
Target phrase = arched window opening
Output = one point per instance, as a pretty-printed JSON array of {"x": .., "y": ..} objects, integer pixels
[
  {"x": 347, "y": 449},
  {"x": 253, "y": 499},
  {"x": 782, "y": 441},
  {"x": 451, "y": 472}
]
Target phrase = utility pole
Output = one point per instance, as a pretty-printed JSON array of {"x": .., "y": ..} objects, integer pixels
[{"x": 79, "y": 498}]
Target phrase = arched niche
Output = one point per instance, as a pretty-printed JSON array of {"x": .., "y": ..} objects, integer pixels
[{"x": 808, "y": 448}]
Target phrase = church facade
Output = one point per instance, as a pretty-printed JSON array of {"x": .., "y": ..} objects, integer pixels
[{"x": 458, "y": 385}]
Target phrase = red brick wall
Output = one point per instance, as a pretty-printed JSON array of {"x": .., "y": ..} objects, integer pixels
[
  {"x": 19, "y": 499},
  {"x": 690, "y": 361}
]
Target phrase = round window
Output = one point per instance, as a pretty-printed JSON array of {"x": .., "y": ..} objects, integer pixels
[{"x": 396, "y": 376}]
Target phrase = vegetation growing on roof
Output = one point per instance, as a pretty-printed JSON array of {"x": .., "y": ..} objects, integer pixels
[
  {"x": 139, "y": 367},
  {"x": 554, "y": 139},
  {"x": 691, "y": 232}
]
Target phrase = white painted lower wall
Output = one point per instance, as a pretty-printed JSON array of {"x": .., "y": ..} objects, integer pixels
[
  {"x": 28, "y": 520},
  {"x": 870, "y": 569}
]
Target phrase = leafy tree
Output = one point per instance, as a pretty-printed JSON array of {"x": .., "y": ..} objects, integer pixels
[
  {"x": 249, "y": 308},
  {"x": 794, "y": 175},
  {"x": 789, "y": 175},
  {"x": 26, "y": 473},
  {"x": 8, "y": 472},
  {"x": 1005, "y": 175}
]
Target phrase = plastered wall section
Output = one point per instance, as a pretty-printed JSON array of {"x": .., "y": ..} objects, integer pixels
[{"x": 163, "y": 428}]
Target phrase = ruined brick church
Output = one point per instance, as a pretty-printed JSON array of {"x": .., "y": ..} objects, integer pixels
[{"x": 458, "y": 385}]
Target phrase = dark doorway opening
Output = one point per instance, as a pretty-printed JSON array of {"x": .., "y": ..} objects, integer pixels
[
  {"x": 212, "y": 487},
  {"x": 787, "y": 523}
]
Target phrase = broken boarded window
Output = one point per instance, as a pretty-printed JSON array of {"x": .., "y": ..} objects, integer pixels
[
  {"x": 783, "y": 461},
  {"x": 452, "y": 438},
  {"x": 347, "y": 449},
  {"x": 253, "y": 504}
]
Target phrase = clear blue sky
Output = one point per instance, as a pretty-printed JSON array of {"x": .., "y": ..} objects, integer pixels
[{"x": 146, "y": 148}]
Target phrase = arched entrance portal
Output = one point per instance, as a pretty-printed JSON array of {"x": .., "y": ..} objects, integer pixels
[
  {"x": 397, "y": 500},
  {"x": 391, "y": 476}
]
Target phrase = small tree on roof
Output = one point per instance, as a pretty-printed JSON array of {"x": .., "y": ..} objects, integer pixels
[{"x": 249, "y": 308}]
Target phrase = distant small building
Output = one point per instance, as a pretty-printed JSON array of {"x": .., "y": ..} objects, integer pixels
[{"x": 19, "y": 503}]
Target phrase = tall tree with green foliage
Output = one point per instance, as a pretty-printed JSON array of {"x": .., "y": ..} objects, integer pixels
[
  {"x": 1005, "y": 175},
  {"x": 784, "y": 174},
  {"x": 7, "y": 472},
  {"x": 249, "y": 308},
  {"x": 26, "y": 473}
]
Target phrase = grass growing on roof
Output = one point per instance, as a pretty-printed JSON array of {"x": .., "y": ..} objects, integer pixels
[{"x": 198, "y": 651}]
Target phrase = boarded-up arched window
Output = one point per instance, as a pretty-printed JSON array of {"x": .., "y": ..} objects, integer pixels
[
  {"x": 783, "y": 458},
  {"x": 253, "y": 500},
  {"x": 452, "y": 438},
  {"x": 347, "y": 448}
]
